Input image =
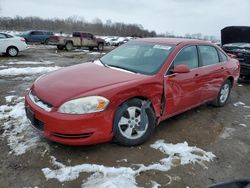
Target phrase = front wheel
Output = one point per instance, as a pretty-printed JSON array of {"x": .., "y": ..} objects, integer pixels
[
  {"x": 60, "y": 47},
  {"x": 134, "y": 123},
  {"x": 223, "y": 94}
]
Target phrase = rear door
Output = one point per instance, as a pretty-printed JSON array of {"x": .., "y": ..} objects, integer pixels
[
  {"x": 212, "y": 71},
  {"x": 91, "y": 40},
  {"x": 182, "y": 89},
  {"x": 84, "y": 39}
]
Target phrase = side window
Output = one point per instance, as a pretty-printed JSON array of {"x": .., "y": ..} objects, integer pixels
[
  {"x": 36, "y": 33},
  {"x": 2, "y": 36},
  {"x": 187, "y": 56},
  {"x": 84, "y": 35},
  {"x": 222, "y": 56},
  {"x": 8, "y": 36},
  {"x": 76, "y": 34},
  {"x": 90, "y": 36},
  {"x": 209, "y": 55}
]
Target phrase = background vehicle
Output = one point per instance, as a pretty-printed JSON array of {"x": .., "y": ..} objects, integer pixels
[
  {"x": 37, "y": 36},
  {"x": 11, "y": 45},
  {"x": 118, "y": 41},
  {"x": 236, "y": 41},
  {"x": 78, "y": 39}
]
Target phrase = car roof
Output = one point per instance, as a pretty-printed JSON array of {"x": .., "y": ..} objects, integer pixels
[{"x": 171, "y": 41}]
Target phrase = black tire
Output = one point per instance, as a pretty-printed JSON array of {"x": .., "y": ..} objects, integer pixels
[
  {"x": 100, "y": 47},
  {"x": 220, "y": 100},
  {"x": 119, "y": 129},
  {"x": 46, "y": 41},
  {"x": 59, "y": 47},
  {"x": 12, "y": 51},
  {"x": 69, "y": 46}
]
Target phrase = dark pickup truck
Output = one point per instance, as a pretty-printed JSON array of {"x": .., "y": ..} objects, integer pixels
[
  {"x": 235, "y": 40},
  {"x": 78, "y": 39}
]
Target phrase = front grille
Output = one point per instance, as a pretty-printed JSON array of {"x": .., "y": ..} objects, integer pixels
[
  {"x": 72, "y": 136},
  {"x": 38, "y": 124},
  {"x": 245, "y": 69},
  {"x": 42, "y": 104},
  {"x": 33, "y": 120}
]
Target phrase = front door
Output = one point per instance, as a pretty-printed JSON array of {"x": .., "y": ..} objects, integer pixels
[{"x": 182, "y": 89}]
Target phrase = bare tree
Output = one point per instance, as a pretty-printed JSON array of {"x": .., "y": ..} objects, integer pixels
[{"x": 74, "y": 23}]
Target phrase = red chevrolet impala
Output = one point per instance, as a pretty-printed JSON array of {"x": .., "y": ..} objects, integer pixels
[{"x": 126, "y": 93}]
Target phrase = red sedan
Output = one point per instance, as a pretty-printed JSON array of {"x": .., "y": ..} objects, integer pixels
[{"x": 126, "y": 93}]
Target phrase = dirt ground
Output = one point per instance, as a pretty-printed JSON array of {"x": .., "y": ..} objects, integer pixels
[{"x": 223, "y": 131}]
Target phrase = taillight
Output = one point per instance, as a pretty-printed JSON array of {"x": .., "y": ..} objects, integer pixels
[{"x": 23, "y": 40}]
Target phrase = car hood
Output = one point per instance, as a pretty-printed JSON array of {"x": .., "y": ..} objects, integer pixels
[
  {"x": 74, "y": 81},
  {"x": 235, "y": 34}
]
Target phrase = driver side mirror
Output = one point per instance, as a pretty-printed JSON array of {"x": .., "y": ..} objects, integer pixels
[{"x": 182, "y": 68}]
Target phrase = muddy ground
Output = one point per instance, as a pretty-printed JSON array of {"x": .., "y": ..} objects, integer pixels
[{"x": 223, "y": 131}]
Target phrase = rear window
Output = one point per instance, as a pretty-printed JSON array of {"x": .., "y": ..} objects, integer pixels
[{"x": 209, "y": 55}]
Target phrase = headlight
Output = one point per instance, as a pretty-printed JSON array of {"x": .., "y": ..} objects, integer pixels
[{"x": 84, "y": 105}]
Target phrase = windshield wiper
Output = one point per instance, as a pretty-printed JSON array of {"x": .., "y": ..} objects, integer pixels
[{"x": 115, "y": 66}]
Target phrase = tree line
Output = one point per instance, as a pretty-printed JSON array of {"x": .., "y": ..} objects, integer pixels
[{"x": 71, "y": 24}]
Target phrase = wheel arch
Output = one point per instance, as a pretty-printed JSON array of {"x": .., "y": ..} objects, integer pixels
[
  {"x": 66, "y": 41},
  {"x": 140, "y": 98},
  {"x": 231, "y": 79},
  {"x": 11, "y": 46}
]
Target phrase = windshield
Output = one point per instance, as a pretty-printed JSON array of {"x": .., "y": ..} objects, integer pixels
[{"x": 138, "y": 57}]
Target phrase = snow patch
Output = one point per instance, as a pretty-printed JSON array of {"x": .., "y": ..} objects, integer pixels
[
  {"x": 17, "y": 131},
  {"x": 243, "y": 125},
  {"x": 122, "y": 160},
  {"x": 155, "y": 184},
  {"x": 123, "y": 177},
  {"x": 27, "y": 71},
  {"x": 97, "y": 53},
  {"x": 30, "y": 63},
  {"x": 3, "y": 66},
  {"x": 227, "y": 132},
  {"x": 8, "y": 99},
  {"x": 239, "y": 103}
]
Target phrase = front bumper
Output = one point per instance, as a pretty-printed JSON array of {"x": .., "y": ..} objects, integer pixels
[
  {"x": 71, "y": 129},
  {"x": 244, "y": 72}
]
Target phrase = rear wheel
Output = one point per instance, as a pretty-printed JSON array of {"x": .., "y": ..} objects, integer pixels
[
  {"x": 46, "y": 41},
  {"x": 69, "y": 46},
  {"x": 12, "y": 51},
  {"x": 133, "y": 125},
  {"x": 59, "y": 47},
  {"x": 100, "y": 46},
  {"x": 223, "y": 94}
]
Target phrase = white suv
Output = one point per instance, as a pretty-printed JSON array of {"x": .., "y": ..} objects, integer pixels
[{"x": 11, "y": 45}]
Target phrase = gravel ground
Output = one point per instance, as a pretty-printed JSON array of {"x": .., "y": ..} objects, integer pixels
[{"x": 222, "y": 131}]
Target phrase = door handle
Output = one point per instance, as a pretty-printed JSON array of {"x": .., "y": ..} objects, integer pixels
[
  {"x": 196, "y": 75},
  {"x": 222, "y": 68},
  {"x": 171, "y": 75}
]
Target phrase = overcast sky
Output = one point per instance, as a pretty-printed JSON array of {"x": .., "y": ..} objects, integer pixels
[{"x": 177, "y": 16}]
